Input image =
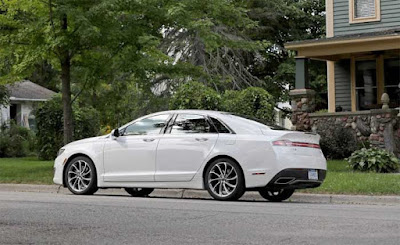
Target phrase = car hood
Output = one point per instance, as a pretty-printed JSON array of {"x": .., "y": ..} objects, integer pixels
[{"x": 87, "y": 140}]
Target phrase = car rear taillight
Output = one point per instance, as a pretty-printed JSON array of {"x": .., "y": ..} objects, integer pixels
[{"x": 295, "y": 144}]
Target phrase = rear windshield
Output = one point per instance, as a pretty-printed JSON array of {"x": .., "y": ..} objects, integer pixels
[{"x": 272, "y": 126}]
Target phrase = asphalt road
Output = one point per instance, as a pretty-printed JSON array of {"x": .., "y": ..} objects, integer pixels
[{"x": 46, "y": 218}]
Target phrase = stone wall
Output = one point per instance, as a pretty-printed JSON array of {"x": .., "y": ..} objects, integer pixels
[{"x": 381, "y": 128}]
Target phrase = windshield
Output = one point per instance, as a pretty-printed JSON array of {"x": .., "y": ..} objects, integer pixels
[{"x": 271, "y": 125}]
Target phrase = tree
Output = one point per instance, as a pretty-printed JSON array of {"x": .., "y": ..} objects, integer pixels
[
  {"x": 210, "y": 34},
  {"x": 279, "y": 22},
  {"x": 79, "y": 39}
]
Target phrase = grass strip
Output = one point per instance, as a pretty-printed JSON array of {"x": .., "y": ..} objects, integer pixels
[
  {"x": 27, "y": 170},
  {"x": 340, "y": 178}
]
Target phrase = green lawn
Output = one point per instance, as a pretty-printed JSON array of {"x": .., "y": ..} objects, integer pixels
[
  {"x": 339, "y": 180},
  {"x": 28, "y": 170},
  {"x": 342, "y": 180}
]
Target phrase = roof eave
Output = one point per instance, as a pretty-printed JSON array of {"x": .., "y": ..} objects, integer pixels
[
  {"x": 27, "y": 99},
  {"x": 325, "y": 42}
]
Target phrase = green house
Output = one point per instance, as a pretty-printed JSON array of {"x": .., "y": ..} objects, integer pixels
[{"x": 362, "y": 54}]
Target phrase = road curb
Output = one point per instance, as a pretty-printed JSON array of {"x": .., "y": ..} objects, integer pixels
[{"x": 202, "y": 194}]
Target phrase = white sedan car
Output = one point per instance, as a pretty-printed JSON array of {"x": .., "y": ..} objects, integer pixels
[{"x": 193, "y": 149}]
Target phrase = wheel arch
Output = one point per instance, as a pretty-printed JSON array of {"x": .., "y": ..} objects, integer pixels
[
  {"x": 70, "y": 159},
  {"x": 219, "y": 157}
]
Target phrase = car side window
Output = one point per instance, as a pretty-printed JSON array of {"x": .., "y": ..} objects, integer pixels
[
  {"x": 147, "y": 126},
  {"x": 190, "y": 124},
  {"x": 219, "y": 126}
]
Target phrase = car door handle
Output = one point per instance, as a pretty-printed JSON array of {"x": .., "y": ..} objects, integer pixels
[
  {"x": 148, "y": 140},
  {"x": 201, "y": 139}
]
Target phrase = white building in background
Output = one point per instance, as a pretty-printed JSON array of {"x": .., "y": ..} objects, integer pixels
[
  {"x": 280, "y": 118},
  {"x": 24, "y": 96}
]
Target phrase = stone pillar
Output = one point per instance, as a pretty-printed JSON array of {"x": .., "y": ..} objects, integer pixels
[
  {"x": 303, "y": 103},
  {"x": 384, "y": 129}
]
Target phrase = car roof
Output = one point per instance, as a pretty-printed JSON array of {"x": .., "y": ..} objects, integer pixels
[{"x": 202, "y": 112}]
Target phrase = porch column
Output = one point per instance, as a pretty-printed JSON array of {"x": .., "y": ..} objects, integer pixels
[
  {"x": 302, "y": 73},
  {"x": 330, "y": 67}
]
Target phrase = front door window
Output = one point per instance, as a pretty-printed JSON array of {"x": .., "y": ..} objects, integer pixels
[
  {"x": 148, "y": 126},
  {"x": 366, "y": 89}
]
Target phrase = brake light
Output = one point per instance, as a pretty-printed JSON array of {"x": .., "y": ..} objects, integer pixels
[{"x": 295, "y": 144}]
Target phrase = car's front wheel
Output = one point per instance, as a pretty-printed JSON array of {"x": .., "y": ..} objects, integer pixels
[
  {"x": 80, "y": 176},
  {"x": 224, "y": 180},
  {"x": 276, "y": 195},
  {"x": 139, "y": 192}
]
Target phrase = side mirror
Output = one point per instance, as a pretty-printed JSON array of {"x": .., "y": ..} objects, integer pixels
[{"x": 115, "y": 133}]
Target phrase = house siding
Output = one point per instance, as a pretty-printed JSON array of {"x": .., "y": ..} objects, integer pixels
[
  {"x": 390, "y": 18},
  {"x": 343, "y": 84}
]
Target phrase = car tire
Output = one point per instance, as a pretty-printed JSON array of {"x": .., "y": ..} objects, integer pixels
[
  {"x": 276, "y": 196},
  {"x": 80, "y": 176},
  {"x": 224, "y": 180},
  {"x": 139, "y": 192}
]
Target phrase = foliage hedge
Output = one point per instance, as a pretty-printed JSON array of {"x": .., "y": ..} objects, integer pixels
[
  {"x": 251, "y": 102},
  {"x": 337, "y": 142},
  {"x": 375, "y": 160},
  {"x": 195, "y": 95},
  {"x": 16, "y": 141},
  {"x": 49, "y": 119}
]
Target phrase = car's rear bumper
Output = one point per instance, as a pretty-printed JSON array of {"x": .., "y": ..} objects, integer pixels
[{"x": 295, "y": 178}]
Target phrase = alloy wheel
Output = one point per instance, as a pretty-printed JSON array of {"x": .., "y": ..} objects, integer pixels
[
  {"x": 223, "y": 179},
  {"x": 79, "y": 175}
]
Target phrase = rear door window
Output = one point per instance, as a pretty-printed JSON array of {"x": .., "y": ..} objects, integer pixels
[
  {"x": 219, "y": 126},
  {"x": 190, "y": 124}
]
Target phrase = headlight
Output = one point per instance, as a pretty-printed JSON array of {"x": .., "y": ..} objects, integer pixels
[{"x": 60, "y": 151}]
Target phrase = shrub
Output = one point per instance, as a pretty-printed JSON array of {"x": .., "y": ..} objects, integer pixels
[
  {"x": 373, "y": 159},
  {"x": 49, "y": 118},
  {"x": 16, "y": 141},
  {"x": 336, "y": 143},
  {"x": 252, "y": 102},
  {"x": 195, "y": 95}
]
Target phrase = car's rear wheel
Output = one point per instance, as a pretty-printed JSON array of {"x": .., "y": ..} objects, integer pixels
[
  {"x": 139, "y": 192},
  {"x": 224, "y": 180},
  {"x": 80, "y": 176},
  {"x": 276, "y": 195}
]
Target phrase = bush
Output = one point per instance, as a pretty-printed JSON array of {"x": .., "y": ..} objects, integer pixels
[
  {"x": 373, "y": 159},
  {"x": 251, "y": 102},
  {"x": 195, "y": 95},
  {"x": 49, "y": 119},
  {"x": 338, "y": 143},
  {"x": 16, "y": 141}
]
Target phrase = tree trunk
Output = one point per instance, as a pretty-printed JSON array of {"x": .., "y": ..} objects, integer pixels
[
  {"x": 66, "y": 88},
  {"x": 66, "y": 98}
]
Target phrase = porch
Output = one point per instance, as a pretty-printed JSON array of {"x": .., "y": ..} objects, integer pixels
[{"x": 360, "y": 69}]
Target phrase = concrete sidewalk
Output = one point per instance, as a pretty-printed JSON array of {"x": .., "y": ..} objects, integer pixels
[{"x": 202, "y": 194}]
